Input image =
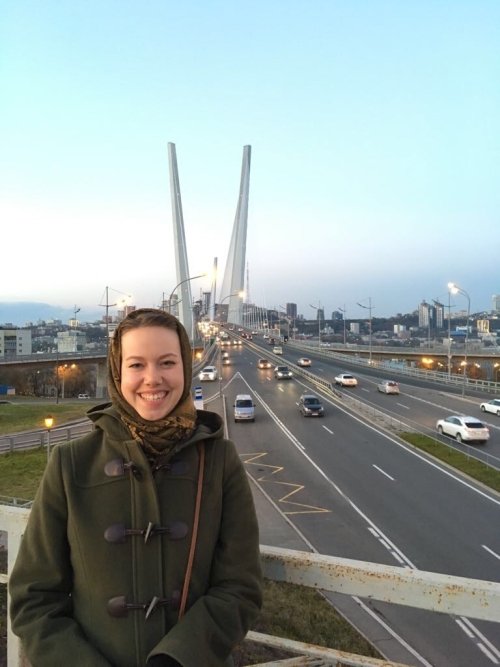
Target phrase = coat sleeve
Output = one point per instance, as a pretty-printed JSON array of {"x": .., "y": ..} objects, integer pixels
[
  {"x": 220, "y": 619},
  {"x": 41, "y": 581}
]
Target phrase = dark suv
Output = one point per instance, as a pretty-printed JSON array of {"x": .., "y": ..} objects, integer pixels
[
  {"x": 283, "y": 373},
  {"x": 311, "y": 406}
]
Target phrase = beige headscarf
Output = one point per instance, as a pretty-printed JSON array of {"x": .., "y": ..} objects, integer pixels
[{"x": 156, "y": 437}]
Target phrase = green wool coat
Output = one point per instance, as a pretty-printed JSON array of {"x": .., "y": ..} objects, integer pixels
[{"x": 75, "y": 555}]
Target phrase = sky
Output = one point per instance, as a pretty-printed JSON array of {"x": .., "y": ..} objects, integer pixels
[{"x": 375, "y": 136}]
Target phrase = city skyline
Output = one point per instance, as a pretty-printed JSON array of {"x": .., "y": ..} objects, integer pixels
[
  {"x": 374, "y": 141},
  {"x": 20, "y": 313}
]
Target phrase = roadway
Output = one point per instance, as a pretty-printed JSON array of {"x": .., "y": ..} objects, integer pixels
[{"x": 356, "y": 491}]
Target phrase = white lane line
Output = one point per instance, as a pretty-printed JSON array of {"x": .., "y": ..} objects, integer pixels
[
  {"x": 401, "y": 405},
  {"x": 388, "y": 628},
  {"x": 490, "y": 551},
  {"x": 394, "y": 550},
  {"x": 366, "y": 390},
  {"x": 383, "y": 472},
  {"x": 484, "y": 640},
  {"x": 464, "y": 628},
  {"x": 487, "y": 653},
  {"x": 327, "y": 429}
]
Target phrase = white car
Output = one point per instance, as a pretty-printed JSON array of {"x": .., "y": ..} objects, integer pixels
[
  {"x": 464, "y": 429},
  {"x": 304, "y": 362},
  {"x": 277, "y": 349},
  {"x": 346, "y": 380},
  {"x": 388, "y": 387},
  {"x": 208, "y": 373},
  {"x": 491, "y": 406}
]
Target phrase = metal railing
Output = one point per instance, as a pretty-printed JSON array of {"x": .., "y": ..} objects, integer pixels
[
  {"x": 388, "y": 367},
  {"x": 447, "y": 594}
]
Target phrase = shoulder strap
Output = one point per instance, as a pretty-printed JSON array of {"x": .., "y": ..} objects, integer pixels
[{"x": 194, "y": 535}]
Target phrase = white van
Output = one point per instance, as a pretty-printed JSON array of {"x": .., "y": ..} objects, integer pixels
[{"x": 244, "y": 408}]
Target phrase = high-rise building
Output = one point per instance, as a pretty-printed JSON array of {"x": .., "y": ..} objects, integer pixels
[
  {"x": 496, "y": 303},
  {"x": 291, "y": 310}
]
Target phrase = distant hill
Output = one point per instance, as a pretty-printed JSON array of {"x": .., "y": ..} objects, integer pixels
[{"x": 19, "y": 313}]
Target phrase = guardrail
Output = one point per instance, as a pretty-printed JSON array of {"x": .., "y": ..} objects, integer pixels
[
  {"x": 388, "y": 367},
  {"x": 459, "y": 596}
]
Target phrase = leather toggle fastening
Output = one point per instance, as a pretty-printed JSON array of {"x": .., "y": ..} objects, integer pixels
[
  {"x": 118, "y": 533},
  {"x": 118, "y": 467},
  {"x": 118, "y": 607},
  {"x": 172, "y": 467}
]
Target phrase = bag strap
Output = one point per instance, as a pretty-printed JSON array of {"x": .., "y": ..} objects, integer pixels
[{"x": 194, "y": 535}]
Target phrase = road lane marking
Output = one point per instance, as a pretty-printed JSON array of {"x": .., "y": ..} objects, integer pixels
[
  {"x": 401, "y": 405},
  {"x": 255, "y": 459},
  {"x": 383, "y": 472},
  {"x": 490, "y": 551},
  {"x": 327, "y": 429}
]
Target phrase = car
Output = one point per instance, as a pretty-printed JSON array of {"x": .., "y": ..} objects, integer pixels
[
  {"x": 237, "y": 341},
  {"x": 464, "y": 429},
  {"x": 264, "y": 363},
  {"x": 244, "y": 408},
  {"x": 311, "y": 406},
  {"x": 283, "y": 373},
  {"x": 277, "y": 349},
  {"x": 83, "y": 396},
  {"x": 225, "y": 355},
  {"x": 388, "y": 387},
  {"x": 346, "y": 380},
  {"x": 304, "y": 362},
  {"x": 491, "y": 406},
  {"x": 208, "y": 373}
]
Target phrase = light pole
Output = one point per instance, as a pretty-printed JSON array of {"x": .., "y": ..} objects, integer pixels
[
  {"x": 49, "y": 422},
  {"x": 287, "y": 318},
  {"x": 318, "y": 308},
  {"x": 369, "y": 308},
  {"x": 449, "y": 334},
  {"x": 108, "y": 305},
  {"x": 456, "y": 289},
  {"x": 343, "y": 311},
  {"x": 241, "y": 295},
  {"x": 186, "y": 280}
]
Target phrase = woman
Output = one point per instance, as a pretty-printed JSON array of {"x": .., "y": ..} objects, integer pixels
[{"x": 142, "y": 543}]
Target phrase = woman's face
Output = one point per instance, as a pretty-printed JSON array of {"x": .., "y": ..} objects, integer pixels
[{"x": 152, "y": 374}]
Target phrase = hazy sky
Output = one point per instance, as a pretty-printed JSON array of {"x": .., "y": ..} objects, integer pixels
[{"x": 375, "y": 140}]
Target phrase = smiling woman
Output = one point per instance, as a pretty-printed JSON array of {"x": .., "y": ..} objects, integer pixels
[{"x": 128, "y": 523}]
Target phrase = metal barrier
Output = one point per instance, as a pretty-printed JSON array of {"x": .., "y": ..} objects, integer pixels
[{"x": 442, "y": 593}]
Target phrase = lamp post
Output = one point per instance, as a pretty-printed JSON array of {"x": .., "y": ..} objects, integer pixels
[
  {"x": 343, "y": 311},
  {"x": 318, "y": 308},
  {"x": 455, "y": 289},
  {"x": 49, "y": 422},
  {"x": 287, "y": 318},
  {"x": 369, "y": 308},
  {"x": 186, "y": 280},
  {"x": 449, "y": 334},
  {"x": 241, "y": 294},
  {"x": 108, "y": 305}
]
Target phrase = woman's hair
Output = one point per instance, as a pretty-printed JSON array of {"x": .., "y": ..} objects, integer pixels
[{"x": 150, "y": 317}]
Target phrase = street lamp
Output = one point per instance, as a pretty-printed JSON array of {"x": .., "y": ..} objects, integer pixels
[
  {"x": 343, "y": 311},
  {"x": 108, "y": 305},
  {"x": 49, "y": 422},
  {"x": 63, "y": 370},
  {"x": 455, "y": 289},
  {"x": 186, "y": 280},
  {"x": 369, "y": 308},
  {"x": 318, "y": 308},
  {"x": 286, "y": 317},
  {"x": 241, "y": 294}
]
